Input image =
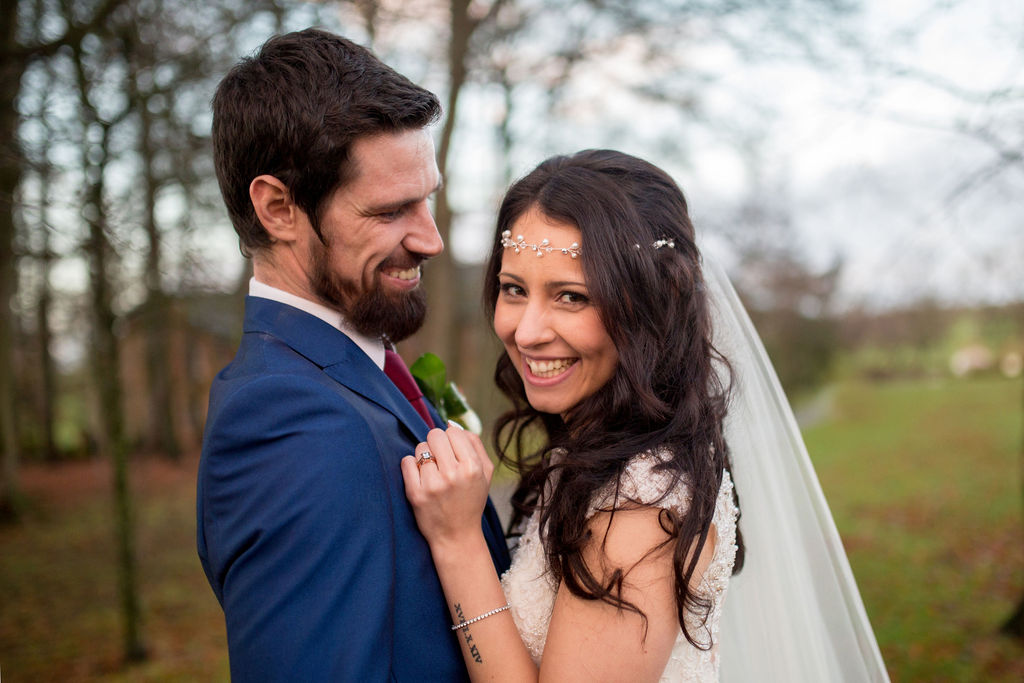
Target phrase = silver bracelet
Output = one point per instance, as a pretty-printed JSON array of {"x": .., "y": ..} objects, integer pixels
[{"x": 464, "y": 624}]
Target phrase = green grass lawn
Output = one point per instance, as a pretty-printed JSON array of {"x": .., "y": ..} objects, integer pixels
[{"x": 923, "y": 479}]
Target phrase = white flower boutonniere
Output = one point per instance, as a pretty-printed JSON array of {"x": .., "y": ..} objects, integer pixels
[{"x": 432, "y": 377}]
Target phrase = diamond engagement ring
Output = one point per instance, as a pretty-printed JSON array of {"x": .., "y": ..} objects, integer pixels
[{"x": 425, "y": 456}]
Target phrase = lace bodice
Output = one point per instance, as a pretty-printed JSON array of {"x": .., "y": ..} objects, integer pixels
[{"x": 530, "y": 587}]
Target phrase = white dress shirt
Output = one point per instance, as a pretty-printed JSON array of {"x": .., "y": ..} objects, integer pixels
[{"x": 372, "y": 347}]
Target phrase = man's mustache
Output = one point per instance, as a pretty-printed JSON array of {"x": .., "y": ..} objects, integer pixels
[{"x": 404, "y": 262}]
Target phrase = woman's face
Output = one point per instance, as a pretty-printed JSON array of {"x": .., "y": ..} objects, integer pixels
[{"x": 546, "y": 320}]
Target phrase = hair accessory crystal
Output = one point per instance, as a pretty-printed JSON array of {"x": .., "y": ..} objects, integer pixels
[
  {"x": 663, "y": 242},
  {"x": 544, "y": 247}
]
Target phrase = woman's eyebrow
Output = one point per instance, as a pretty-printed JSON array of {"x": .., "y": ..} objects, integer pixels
[{"x": 551, "y": 284}]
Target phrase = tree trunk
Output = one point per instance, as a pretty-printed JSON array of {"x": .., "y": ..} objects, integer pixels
[
  {"x": 106, "y": 363},
  {"x": 112, "y": 442},
  {"x": 1014, "y": 625},
  {"x": 505, "y": 128},
  {"x": 14, "y": 58},
  {"x": 438, "y": 335},
  {"x": 43, "y": 306},
  {"x": 161, "y": 434},
  {"x": 11, "y": 71},
  {"x": 369, "y": 10}
]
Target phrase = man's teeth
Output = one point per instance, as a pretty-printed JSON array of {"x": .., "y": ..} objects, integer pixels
[
  {"x": 410, "y": 274},
  {"x": 549, "y": 368}
]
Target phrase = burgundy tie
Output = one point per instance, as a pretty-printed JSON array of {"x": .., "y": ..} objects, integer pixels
[{"x": 394, "y": 368}]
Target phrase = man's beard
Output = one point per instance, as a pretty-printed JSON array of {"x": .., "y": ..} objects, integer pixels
[{"x": 371, "y": 311}]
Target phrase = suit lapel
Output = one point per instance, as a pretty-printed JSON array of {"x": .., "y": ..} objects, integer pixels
[
  {"x": 374, "y": 385},
  {"x": 337, "y": 355}
]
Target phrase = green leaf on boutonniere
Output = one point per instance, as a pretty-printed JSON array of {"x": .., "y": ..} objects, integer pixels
[
  {"x": 454, "y": 401},
  {"x": 458, "y": 408},
  {"x": 432, "y": 377}
]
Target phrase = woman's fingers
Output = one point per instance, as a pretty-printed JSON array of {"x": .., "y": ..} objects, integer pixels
[
  {"x": 448, "y": 489},
  {"x": 441, "y": 449},
  {"x": 411, "y": 478},
  {"x": 469, "y": 450},
  {"x": 451, "y": 459},
  {"x": 481, "y": 453}
]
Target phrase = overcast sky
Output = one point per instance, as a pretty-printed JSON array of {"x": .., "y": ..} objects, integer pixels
[
  {"x": 876, "y": 161},
  {"x": 874, "y": 166},
  {"x": 869, "y": 164}
]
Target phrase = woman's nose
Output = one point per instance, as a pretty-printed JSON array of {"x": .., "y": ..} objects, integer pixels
[{"x": 534, "y": 328}]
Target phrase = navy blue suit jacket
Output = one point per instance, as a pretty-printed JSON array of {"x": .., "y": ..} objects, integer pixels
[{"x": 304, "y": 530}]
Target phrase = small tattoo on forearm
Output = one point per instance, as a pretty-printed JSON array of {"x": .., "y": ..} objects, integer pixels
[{"x": 467, "y": 636}]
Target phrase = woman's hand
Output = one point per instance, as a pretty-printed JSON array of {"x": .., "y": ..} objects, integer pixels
[{"x": 448, "y": 492}]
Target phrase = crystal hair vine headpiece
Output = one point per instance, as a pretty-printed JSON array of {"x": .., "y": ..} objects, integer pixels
[
  {"x": 658, "y": 244},
  {"x": 544, "y": 247},
  {"x": 573, "y": 250}
]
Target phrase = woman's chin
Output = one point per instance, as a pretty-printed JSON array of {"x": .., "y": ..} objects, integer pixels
[{"x": 548, "y": 404}]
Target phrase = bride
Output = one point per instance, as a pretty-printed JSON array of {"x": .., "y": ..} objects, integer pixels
[{"x": 622, "y": 358}]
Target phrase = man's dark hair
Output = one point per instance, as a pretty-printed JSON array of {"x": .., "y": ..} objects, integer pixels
[{"x": 294, "y": 110}]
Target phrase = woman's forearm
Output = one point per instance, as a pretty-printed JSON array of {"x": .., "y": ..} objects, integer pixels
[{"x": 491, "y": 646}]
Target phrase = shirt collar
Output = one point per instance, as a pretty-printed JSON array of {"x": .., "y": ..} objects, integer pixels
[{"x": 372, "y": 347}]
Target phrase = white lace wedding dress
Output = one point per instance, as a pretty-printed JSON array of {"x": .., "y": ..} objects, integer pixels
[
  {"x": 530, "y": 587},
  {"x": 794, "y": 613}
]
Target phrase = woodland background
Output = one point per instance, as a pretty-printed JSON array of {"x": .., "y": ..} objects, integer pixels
[{"x": 886, "y": 284}]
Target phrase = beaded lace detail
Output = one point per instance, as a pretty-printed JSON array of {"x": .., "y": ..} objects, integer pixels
[{"x": 530, "y": 587}]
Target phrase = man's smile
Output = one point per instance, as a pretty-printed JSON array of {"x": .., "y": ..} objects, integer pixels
[{"x": 407, "y": 274}]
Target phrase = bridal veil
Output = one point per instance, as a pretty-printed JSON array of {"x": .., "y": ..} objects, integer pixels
[{"x": 793, "y": 613}]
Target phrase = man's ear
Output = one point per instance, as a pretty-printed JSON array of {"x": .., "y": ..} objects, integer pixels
[{"x": 274, "y": 207}]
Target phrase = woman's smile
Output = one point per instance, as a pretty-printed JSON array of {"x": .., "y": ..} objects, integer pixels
[{"x": 547, "y": 372}]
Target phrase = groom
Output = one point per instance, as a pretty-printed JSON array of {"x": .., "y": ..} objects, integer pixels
[{"x": 326, "y": 166}]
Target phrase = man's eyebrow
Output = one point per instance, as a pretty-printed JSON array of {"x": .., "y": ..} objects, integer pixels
[{"x": 398, "y": 204}]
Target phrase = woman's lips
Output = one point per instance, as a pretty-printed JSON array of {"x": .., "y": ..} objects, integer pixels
[{"x": 547, "y": 371}]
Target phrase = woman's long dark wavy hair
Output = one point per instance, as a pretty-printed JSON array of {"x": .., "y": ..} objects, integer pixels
[{"x": 667, "y": 390}]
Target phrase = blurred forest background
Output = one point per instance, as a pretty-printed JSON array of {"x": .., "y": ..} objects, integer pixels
[{"x": 856, "y": 165}]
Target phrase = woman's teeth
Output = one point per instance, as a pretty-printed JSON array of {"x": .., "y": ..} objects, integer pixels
[
  {"x": 549, "y": 368},
  {"x": 410, "y": 274}
]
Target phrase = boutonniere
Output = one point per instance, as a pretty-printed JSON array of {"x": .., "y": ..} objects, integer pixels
[{"x": 432, "y": 378}]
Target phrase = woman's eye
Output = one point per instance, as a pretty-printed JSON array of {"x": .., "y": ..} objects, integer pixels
[
  {"x": 573, "y": 298},
  {"x": 510, "y": 289}
]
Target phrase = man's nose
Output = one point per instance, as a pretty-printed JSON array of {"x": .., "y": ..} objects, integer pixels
[{"x": 423, "y": 237}]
